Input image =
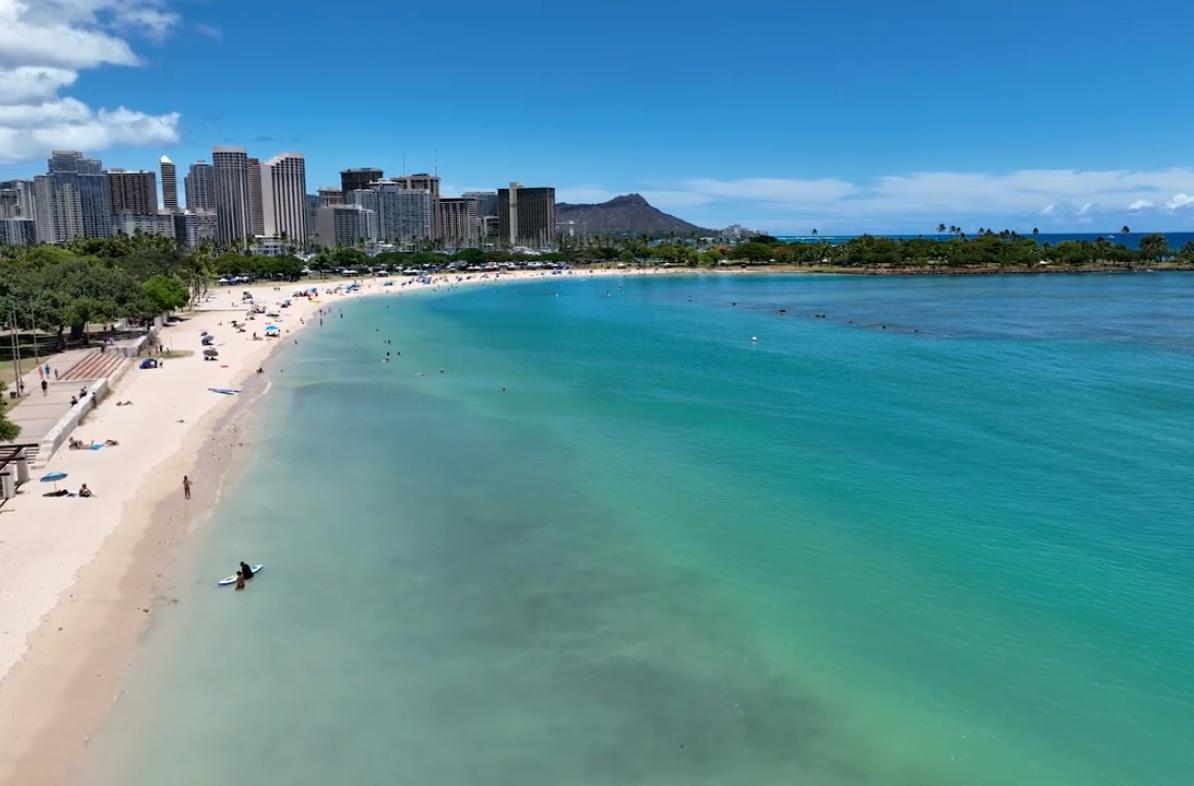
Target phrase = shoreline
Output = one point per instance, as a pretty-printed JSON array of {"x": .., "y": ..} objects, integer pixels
[
  {"x": 81, "y": 636},
  {"x": 927, "y": 270}
]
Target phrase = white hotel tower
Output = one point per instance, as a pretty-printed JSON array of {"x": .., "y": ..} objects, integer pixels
[{"x": 283, "y": 197}]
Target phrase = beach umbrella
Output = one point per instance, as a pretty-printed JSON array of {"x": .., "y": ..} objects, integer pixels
[
  {"x": 211, "y": 352},
  {"x": 271, "y": 327},
  {"x": 53, "y": 477}
]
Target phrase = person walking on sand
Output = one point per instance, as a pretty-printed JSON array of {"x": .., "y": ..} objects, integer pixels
[
  {"x": 186, "y": 487},
  {"x": 44, "y": 387}
]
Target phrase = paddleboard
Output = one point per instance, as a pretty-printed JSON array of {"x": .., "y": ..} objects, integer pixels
[{"x": 232, "y": 579}]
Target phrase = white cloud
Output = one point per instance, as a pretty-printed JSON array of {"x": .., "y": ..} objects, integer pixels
[
  {"x": 209, "y": 31},
  {"x": 584, "y": 195},
  {"x": 918, "y": 201},
  {"x": 27, "y": 83},
  {"x": 1179, "y": 201},
  {"x": 44, "y": 44},
  {"x": 784, "y": 191}
]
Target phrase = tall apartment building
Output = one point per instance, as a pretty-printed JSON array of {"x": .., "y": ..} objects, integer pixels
[
  {"x": 425, "y": 182},
  {"x": 487, "y": 202},
  {"x": 72, "y": 198},
  {"x": 356, "y": 179},
  {"x": 195, "y": 228},
  {"x": 527, "y": 216},
  {"x": 460, "y": 221},
  {"x": 16, "y": 231},
  {"x": 346, "y": 226},
  {"x": 284, "y": 197},
  {"x": 169, "y": 185},
  {"x": 312, "y": 204},
  {"x": 404, "y": 215},
  {"x": 363, "y": 197},
  {"x": 161, "y": 224},
  {"x": 231, "y": 168},
  {"x": 489, "y": 226},
  {"x": 200, "y": 186},
  {"x": 132, "y": 191},
  {"x": 256, "y": 208},
  {"x": 332, "y": 195},
  {"x": 10, "y": 206},
  {"x": 17, "y": 200}
]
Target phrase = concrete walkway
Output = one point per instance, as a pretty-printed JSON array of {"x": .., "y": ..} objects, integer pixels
[{"x": 36, "y": 413}]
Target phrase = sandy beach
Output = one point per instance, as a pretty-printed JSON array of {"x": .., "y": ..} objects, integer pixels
[{"x": 82, "y": 576}]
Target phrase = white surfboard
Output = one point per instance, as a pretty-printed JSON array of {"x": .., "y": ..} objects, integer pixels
[{"x": 224, "y": 582}]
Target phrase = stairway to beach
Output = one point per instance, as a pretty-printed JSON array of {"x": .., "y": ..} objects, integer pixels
[{"x": 94, "y": 365}]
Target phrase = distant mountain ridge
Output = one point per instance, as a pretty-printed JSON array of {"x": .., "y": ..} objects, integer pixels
[{"x": 629, "y": 214}]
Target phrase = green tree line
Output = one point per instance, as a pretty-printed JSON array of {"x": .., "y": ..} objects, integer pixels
[{"x": 987, "y": 250}]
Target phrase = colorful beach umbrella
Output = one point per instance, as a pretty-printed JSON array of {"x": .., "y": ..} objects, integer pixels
[{"x": 53, "y": 477}]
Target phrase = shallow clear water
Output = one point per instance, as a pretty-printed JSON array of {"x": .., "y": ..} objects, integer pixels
[{"x": 942, "y": 535}]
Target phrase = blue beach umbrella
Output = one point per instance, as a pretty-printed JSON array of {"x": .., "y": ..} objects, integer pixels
[{"x": 53, "y": 477}]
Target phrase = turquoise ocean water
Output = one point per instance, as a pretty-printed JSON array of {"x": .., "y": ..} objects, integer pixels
[{"x": 943, "y": 535}]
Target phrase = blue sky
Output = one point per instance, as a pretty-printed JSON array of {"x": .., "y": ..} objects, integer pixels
[{"x": 846, "y": 116}]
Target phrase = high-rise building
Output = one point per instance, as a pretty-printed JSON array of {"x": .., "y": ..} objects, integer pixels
[
  {"x": 194, "y": 228},
  {"x": 460, "y": 221},
  {"x": 364, "y": 197},
  {"x": 132, "y": 191},
  {"x": 256, "y": 208},
  {"x": 283, "y": 198},
  {"x": 15, "y": 231},
  {"x": 312, "y": 202},
  {"x": 404, "y": 215},
  {"x": 489, "y": 226},
  {"x": 10, "y": 205},
  {"x": 425, "y": 182},
  {"x": 421, "y": 180},
  {"x": 370, "y": 200},
  {"x": 527, "y": 216},
  {"x": 72, "y": 199},
  {"x": 487, "y": 202},
  {"x": 17, "y": 200},
  {"x": 169, "y": 185},
  {"x": 130, "y": 224},
  {"x": 356, "y": 179},
  {"x": 346, "y": 226},
  {"x": 332, "y": 195},
  {"x": 200, "y": 186},
  {"x": 231, "y": 168}
]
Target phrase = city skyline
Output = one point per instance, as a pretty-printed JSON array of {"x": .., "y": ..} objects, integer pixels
[{"x": 847, "y": 120}]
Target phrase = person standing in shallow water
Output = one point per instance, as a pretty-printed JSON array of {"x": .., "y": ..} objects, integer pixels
[{"x": 186, "y": 487}]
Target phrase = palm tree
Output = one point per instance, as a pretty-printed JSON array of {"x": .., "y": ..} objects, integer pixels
[
  {"x": 1125, "y": 230},
  {"x": 941, "y": 229},
  {"x": 1035, "y": 231}
]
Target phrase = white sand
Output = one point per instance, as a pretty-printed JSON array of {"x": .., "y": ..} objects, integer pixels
[{"x": 46, "y": 543}]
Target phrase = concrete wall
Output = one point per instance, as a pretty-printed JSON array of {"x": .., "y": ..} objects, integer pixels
[
  {"x": 59, "y": 434},
  {"x": 62, "y": 430}
]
